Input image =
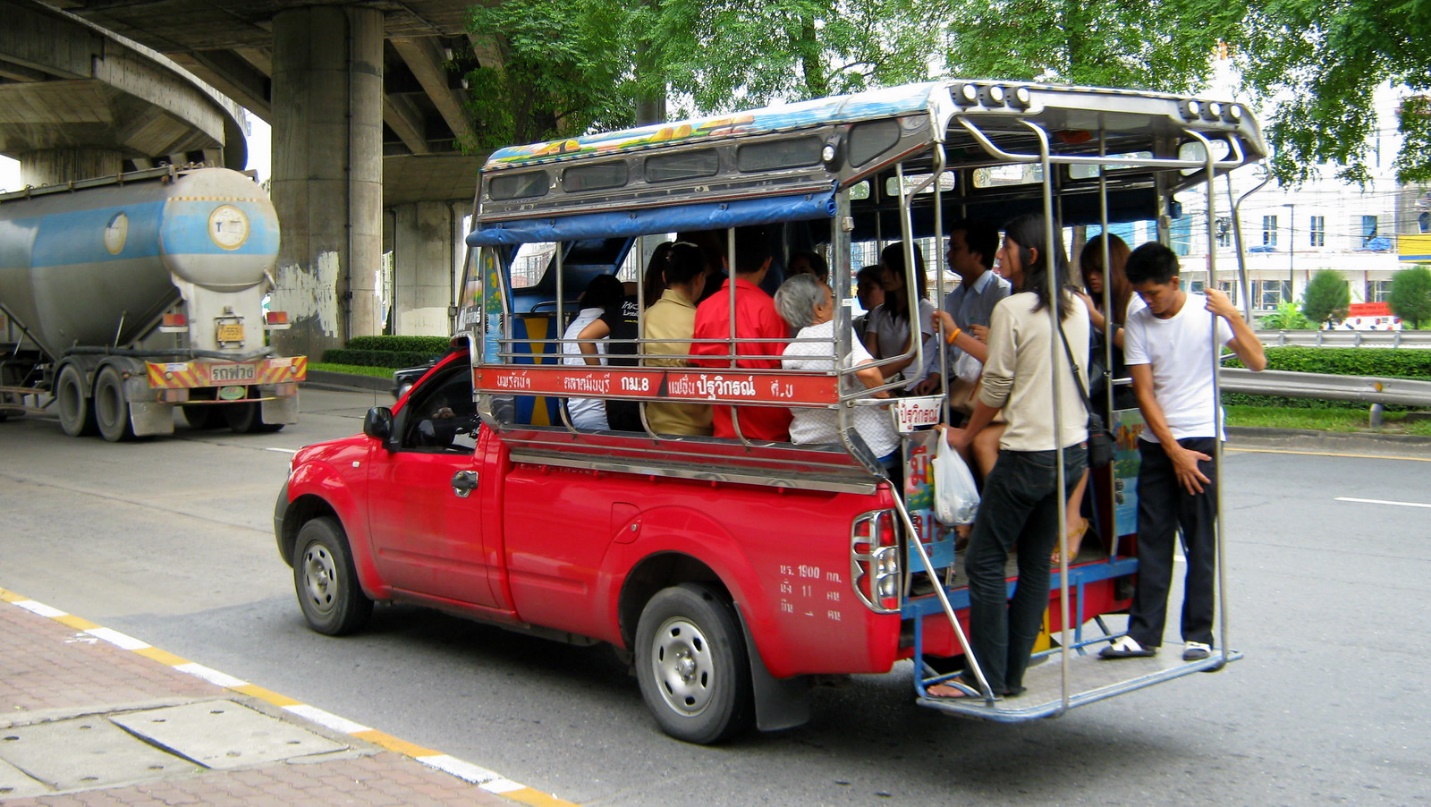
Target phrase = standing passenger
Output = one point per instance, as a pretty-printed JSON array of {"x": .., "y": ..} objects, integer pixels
[
  {"x": 870, "y": 292},
  {"x": 755, "y": 318},
  {"x": 1170, "y": 354},
  {"x": 668, "y": 321},
  {"x": 973, "y": 243},
  {"x": 1020, "y": 504}
]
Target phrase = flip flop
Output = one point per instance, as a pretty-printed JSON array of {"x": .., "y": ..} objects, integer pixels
[
  {"x": 1075, "y": 542},
  {"x": 1127, "y": 648}
]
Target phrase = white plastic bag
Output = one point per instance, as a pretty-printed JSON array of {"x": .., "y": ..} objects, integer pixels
[{"x": 956, "y": 498}]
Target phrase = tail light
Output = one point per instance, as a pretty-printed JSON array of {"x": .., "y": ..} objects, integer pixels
[
  {"x": 276, "y": 320},
  {"x": 174, "y": 323},
  {"x": 874, "y": 561}
]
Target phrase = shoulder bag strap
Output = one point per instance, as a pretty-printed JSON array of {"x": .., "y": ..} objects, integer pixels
[{"x": 1073, "y": 366}]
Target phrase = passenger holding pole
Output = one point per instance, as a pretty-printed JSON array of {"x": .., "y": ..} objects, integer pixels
[
  {"x": 1169, "y": 351},
  {"x": 1021, "y": 501}
]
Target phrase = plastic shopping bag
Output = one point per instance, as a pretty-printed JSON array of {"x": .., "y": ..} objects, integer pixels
[{"x": 956, "y": 498}]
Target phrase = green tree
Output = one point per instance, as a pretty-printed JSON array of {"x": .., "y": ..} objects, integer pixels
[
  {"x": 1321, "y": 63},
  {"x": 549, "y": 70},
  {"x": 1326, "y": 297},
  {"x": 1411, "y": 295},
  {"x": 1287, "y": 318},
  {"x": 1157, "y": 45},
  {"x": 725, "y": 54}
]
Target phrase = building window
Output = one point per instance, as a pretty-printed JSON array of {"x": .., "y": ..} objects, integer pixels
[
  {"x": 1272, "y": 293},
  {"x": 1368, "y": 230},
  {"x": 1223, "y": 228},
  {"x": 1319, "y": 231},
  {"x": 1378, "y": 291},
  {"x": 1269, "y": 231},
  {"x": 1229, "y": 287}
]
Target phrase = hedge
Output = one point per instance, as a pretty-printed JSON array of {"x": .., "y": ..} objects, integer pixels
[
  {"x": 1377, "y": 362},
  {"x": 431, "y": 345},
  {"x": 396, "y": 359}
]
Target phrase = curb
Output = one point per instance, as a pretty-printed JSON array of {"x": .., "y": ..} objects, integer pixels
[
  {"x": 487, "y": 780},
  {"x": 346, "y": 381}
]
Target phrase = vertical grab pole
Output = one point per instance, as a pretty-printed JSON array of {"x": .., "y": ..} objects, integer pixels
[
  {"x": 1218, "y": 544},
  {"x": 1108, "y": 331},
  {"x": 1055, "y": 344},
  {"x": 939, "y": 251}
]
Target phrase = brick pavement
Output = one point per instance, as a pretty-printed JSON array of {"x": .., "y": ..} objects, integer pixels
[{"x": 55, "y": 666}]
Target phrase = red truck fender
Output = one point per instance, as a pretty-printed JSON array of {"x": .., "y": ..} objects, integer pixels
[{"x": 317, "y": 488}]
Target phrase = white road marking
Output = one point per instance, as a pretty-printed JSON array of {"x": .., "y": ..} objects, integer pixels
[
  {"x": 121, "y": 640},
  {"x": 1381, "y": 501},
  {"x": 328, "y": 719},
  {"x": 41, "y": 609},
  {"x": 475, "y": 774},
  {"x": 211, "y": 675}
]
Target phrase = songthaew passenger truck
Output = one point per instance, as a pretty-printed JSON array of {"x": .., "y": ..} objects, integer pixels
[{"x": 124, "y": 297}]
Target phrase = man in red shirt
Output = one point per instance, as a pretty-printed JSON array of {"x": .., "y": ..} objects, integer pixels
[{"x": 755, "y": 317}]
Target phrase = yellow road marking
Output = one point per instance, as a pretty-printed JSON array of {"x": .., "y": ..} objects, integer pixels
[{"x": 1325, "y": 454}]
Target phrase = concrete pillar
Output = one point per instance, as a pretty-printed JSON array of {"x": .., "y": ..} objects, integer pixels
[
  {"x": 58, "y": 166},
  {"x": 422, "y": 268},
  {"x": 327, "y": 174}
]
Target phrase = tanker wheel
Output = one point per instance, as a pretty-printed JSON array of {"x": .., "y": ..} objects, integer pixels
[
  {"x": 76, "y": 414},
  {"x": 692, "y": 665},
  {"x": 246, "y": 417},
  {"x": 326, "y": 581},
  {"x": 201, "y": 417},
  {"x": 111, "y": 409}
]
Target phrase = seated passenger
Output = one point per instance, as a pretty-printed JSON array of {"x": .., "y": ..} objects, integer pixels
[
  {"x": 807, "y": 304},
  {"x": 890, "y": 331},
  {"x": 651, "y": 281},
  {"x": 755, "y": 318},
  {"x": 808, "y": 263},
  {"x": 617, "y": 325},
  {"x": 602, "y": 293},
  {"x": 870, "y": 292},
  {"x": 670, "y": 319}
]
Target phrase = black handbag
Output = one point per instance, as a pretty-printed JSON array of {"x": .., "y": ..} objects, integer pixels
[{"x": 1100, "y": 441}]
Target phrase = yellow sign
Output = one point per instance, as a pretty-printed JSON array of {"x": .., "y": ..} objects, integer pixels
[
  {"x": 229, "y": 332},
  {"x": 1414, "y": 247}
]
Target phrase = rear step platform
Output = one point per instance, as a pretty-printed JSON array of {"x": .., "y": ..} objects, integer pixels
[{"x": 1090, "y": 679}]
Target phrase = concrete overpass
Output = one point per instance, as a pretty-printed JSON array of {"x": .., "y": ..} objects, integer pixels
[
  {"x": 366, "y": 104},
  {"x": 76, "y": 103}
]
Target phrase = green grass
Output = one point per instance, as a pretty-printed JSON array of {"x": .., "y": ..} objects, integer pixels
[
  {"x": 1326, "y": 420},
  {"x": 352, "y": 369}
]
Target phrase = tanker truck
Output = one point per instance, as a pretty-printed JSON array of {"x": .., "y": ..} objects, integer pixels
[{"x": 125, "y": 297}]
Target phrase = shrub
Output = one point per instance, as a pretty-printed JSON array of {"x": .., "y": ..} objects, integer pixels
[
  {"x": 432, "y": 345},
  {"x": 1411, "y": 295},
  {"x": 1287, "y": 318},
  {"x": 1327, "y": 297},
  {"x": 396, "y": 359},
  {"x": 1377, "y": 362}
]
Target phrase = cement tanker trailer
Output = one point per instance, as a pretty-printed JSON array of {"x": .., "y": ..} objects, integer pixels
[{"x": 129, "y": 296}]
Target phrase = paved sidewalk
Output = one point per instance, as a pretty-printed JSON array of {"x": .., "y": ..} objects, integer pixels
[{"x": 67, "y": 685}]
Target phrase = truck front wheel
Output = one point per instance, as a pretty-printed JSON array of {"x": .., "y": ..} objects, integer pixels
[
  {"x": 692, "y": 664},
  {"x": 333, "y": 602}
]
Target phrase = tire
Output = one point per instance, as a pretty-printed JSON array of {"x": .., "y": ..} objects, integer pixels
[
  {"x": 111, "y": 409},
  {"x": 326, "y": 582},
  {"x": 692, "y": 664},
  {"x": 246, "y": 417},
  {"x": 72, "y": 400},
  {"x": 201, "y": 417}
]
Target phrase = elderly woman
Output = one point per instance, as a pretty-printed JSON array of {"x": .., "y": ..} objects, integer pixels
[{"x": 806, "y": 303}]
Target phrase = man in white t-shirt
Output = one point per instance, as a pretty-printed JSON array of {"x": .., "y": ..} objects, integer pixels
[{"x": 1168, "y": 347}]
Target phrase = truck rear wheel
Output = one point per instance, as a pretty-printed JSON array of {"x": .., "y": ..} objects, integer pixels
[
  {"x": 76, "y": 415},
  {"x": 692, "y": 664},
  {"x": 326, "y": 581},
  {"x": 246, "y": 417},
  {"x": 111, "y": 408},
  {"x": 200, "y": 417}
]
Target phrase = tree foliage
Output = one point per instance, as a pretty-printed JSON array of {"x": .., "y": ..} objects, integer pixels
[
  {"x": 1287, "y": 317},
  {"x": 1411, "y": 295},
  {"x": 1322, "y": 63},
  {"x": 1326, "y": 297},
  {"x": 1157, "y": 45},
  {"x": 552, "y": 69},
  {"x": 725, "y": 54}
]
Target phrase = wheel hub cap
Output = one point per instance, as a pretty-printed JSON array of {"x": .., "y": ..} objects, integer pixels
[{"x": 683, "y": 666}]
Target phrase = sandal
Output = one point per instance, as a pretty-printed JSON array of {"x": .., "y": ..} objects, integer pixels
[{"x": 1075, "y": 542}]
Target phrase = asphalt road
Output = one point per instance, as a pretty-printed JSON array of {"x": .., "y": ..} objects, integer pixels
[{"x": 170, "y": 541}]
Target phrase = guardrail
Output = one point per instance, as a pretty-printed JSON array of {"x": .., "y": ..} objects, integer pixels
[
  {"x": 1327, "y": 387},
  {"x": 1408, "y": 339}
]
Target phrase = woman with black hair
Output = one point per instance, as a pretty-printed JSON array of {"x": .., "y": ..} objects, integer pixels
[
  {"x": 888, "y": 329},
  {"x": 1020, "y": 504}
]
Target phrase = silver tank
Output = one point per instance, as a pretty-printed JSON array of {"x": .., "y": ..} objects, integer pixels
[{"x": 98, "y": 266}]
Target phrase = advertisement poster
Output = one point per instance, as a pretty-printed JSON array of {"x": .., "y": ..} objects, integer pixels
[
  {"x": 1127, "y": 425},
  {"x": 919, "y": 498}
]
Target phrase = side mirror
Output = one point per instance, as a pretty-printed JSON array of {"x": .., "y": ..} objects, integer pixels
[{"x": 378, "y": 424}]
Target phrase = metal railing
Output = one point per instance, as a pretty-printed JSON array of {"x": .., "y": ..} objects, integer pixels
[
  {"x": 1408, "y": 339},
  {"x": 1327, "y": 387}
]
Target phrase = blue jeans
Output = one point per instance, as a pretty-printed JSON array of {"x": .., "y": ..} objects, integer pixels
[{"x": 1019, "y": 509}]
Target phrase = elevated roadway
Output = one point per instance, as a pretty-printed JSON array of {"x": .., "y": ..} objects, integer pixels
[{"x": 366, "y": 104}]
